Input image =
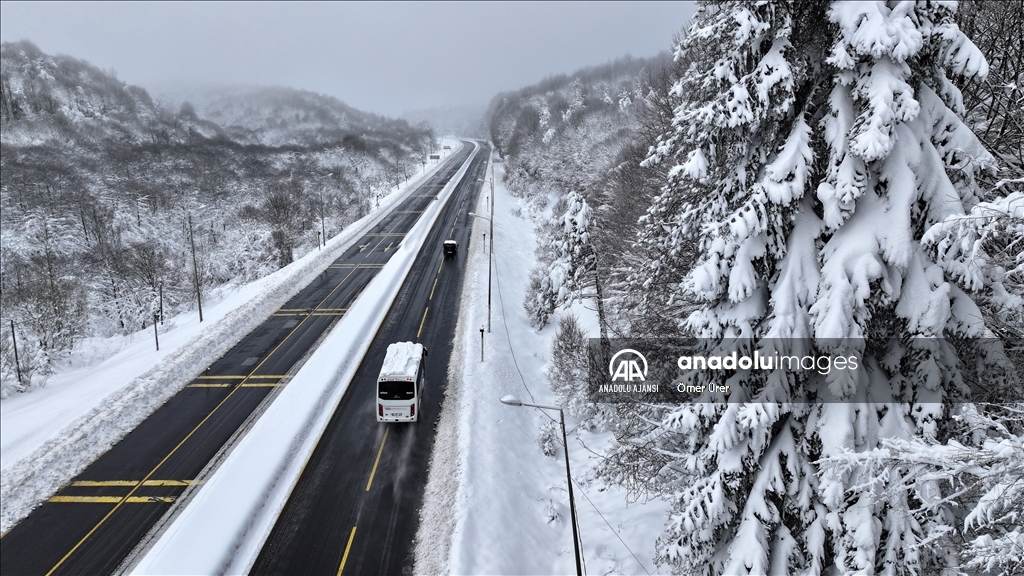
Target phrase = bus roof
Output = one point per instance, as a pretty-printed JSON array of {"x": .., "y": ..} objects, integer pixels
[{"x": 401, "y": 361}]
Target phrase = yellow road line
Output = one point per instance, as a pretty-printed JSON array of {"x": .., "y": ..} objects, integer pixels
[
  {"x": 111, "y": 499},
  {"x": 132, "y": 491},
  {"x": 441, "y": 266},
  {"x": 260, "y": 385},
  {"x": 209, "y": 385},
  {"x": 432, "y": 290},
  {"x": 221, "y": 377},
  {"x": 193, "y": 431},
  {"x": 376, "y": 462},
  {"x": 418, "y": 332},
  {"x": 101, "y": 483},
  {"x": 348, "y": 547},
  {"x": 313, "y": 313}
]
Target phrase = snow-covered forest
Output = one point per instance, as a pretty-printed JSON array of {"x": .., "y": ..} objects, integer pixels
[
  {"x": 801, "y": 176},
  {"x": 105, "y": 191}
]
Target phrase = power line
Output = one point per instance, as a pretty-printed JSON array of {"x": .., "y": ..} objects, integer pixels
[
  {"x": 610, "y": 527},
  {"x": 501, "y": 302}
]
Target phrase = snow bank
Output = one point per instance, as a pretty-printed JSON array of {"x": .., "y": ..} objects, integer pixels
[
  {"x": 509, "y": 511},
  {"x": 223, "y": 527},
  {"x": 52, "y": 434}
]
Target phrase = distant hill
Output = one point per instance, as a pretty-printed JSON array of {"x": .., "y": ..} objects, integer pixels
[
  {"x": 565, "y": 132},
  {"x": 98, "y": 180},
  {"x": 280, "y": 116},
  {"x": 48, "y": 99}
]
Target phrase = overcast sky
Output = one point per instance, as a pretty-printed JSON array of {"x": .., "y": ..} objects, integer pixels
[{"x": 380, "y": 57}]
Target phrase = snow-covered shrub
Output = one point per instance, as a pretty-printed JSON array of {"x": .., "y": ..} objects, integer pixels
[
  {"x": 536, "y": 303},
  {"x": 567, "y": 372},
  {"x": 549, "y": 440}
]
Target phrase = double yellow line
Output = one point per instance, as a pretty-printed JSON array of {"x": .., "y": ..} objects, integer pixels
[{"x": 130, "y": 497}]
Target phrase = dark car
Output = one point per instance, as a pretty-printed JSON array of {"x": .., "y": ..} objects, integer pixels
[{"x": 451, "y": 248}]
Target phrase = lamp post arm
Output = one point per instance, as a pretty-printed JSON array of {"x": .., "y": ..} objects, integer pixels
[{"x": 544, "y": 406}]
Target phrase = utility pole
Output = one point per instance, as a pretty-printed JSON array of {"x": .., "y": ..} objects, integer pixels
[
  {"x": 161, "y": 301},
  {"x": 513, "y": 401},
  {"x": 323, "y": 227},
  {"x": 17, "y": 363},
  {"x": 195, "y": 267},
  {"x": 156, "y": 335},
  {"x": 490, "y": 254}
]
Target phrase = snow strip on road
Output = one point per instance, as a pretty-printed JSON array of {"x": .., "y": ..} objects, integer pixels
[
  {"x": 224, "y": 526},
  {"x": 51, "y": 455}
]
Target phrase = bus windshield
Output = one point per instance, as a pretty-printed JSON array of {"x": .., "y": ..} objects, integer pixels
[{"x": 396, "y": 390}]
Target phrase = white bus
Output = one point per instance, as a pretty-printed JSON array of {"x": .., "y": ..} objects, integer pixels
[{"x": 400, "y": 383}]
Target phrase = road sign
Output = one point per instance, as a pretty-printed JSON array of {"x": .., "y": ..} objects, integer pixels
[
  {"x": 435, "y": 156},
  {"x": 447, "y": 147}
]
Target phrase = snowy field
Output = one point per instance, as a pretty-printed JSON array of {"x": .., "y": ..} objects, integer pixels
[
  {"x": 48, "y": 435},
  {"x": 510, "y": 513}
]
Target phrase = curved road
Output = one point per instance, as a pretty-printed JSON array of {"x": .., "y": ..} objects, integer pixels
[{"x": 93, "y": 524}]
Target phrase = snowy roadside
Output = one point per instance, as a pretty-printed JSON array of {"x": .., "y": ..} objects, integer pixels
[
  {"x": 494, "y": 504},
  {"x": 50, "y": 434}
]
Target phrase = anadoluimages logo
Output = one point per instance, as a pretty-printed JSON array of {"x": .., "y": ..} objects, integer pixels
[{"x": 628, "y": 370}]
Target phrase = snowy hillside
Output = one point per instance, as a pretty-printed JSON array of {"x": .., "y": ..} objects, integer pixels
[
  {"x": 279, "y": 116},
  {"x": 107, "y": 195},
  {"x": 807, "y": 189}
]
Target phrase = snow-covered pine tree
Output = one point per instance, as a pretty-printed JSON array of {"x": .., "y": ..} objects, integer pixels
[
  {"x": 574, "y": 265},
  {"x": 815, "y": 146}
]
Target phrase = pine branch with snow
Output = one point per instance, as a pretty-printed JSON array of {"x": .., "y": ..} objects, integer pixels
[{"x": 821, "y": 171}]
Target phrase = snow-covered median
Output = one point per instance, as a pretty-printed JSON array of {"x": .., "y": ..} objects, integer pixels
[
  {"x": 225, "y": 524},
  {"x": 50, "y": 435}
]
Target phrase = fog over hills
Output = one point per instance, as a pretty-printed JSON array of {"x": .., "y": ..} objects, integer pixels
[{"x": 465, "y": 120}]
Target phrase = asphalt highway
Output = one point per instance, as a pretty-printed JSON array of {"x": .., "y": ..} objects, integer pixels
[
  {"x": 91, "y": 525},
  {"x": 355, "y": 507}
]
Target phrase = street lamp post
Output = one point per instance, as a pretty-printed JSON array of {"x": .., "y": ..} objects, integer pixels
[
  {"x": 490, "y": 259},
  {"x": 513, "y": 401}
]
